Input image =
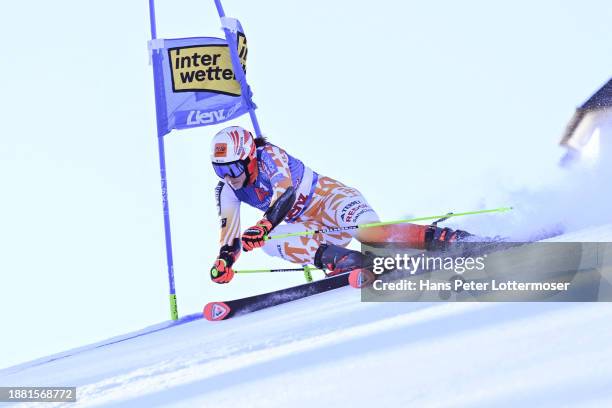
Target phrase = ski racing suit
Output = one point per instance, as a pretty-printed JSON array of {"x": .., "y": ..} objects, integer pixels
[{"x": 320, "y": 202}]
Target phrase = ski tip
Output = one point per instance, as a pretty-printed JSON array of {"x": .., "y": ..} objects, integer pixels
[{"x": 215, "y": 311}]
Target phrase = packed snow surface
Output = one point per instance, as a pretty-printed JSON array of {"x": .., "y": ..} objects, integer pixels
[{"x": 333, "y": 350}]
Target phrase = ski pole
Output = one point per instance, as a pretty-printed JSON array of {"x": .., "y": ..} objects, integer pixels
[
  {"x": 379, "y": 224},
  {"x": 304, "y": 269}
]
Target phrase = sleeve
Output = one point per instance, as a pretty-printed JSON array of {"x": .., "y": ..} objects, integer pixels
[
  {"x": 276, "y": 166},
  {"x": 277, "y": 169},
  {"x": 228, "y": 209}
]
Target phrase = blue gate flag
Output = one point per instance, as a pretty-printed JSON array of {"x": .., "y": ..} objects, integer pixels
[{"x": 195, "y": 81}]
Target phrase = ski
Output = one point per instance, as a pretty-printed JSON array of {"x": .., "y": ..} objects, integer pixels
[{"x": 215, "y": 311}]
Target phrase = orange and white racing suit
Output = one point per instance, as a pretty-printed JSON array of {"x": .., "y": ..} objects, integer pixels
[{"x": 321, "y": 202}]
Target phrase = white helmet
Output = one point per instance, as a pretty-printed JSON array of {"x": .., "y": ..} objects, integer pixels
[
  {"x": 233, "y": 152},
  {"x": 232, "y": 144}
]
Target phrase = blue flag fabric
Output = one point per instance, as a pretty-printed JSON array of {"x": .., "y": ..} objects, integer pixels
[{"x": 195, "y": 83}]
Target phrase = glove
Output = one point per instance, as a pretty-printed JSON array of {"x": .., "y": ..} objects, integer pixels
[
  {"x": 222, "y": 271},
  {"x": 254, "y": 236}
]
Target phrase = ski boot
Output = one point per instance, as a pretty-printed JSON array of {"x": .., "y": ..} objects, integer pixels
[
  {"x": 337, "y": 260},
  {"x": 440, "y": 239}
]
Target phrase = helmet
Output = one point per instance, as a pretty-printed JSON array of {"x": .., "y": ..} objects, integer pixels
[
  {"x": 233, "y": 152},
  {"x": 232, "y": 144}
]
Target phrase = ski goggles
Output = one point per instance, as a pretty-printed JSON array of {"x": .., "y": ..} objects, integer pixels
[{"x": 232, "y": 169}]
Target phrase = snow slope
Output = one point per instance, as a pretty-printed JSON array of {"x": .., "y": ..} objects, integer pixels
[{"x": 333, "y": 350}]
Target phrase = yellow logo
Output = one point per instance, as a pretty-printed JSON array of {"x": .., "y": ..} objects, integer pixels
[{"x": 206, "y": 68}]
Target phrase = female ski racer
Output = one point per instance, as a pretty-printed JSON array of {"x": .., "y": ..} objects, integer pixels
[{"x": 266, "y": 177}]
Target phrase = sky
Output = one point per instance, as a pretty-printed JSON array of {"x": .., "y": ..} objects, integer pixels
[{"x": 424, "y": 107}]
